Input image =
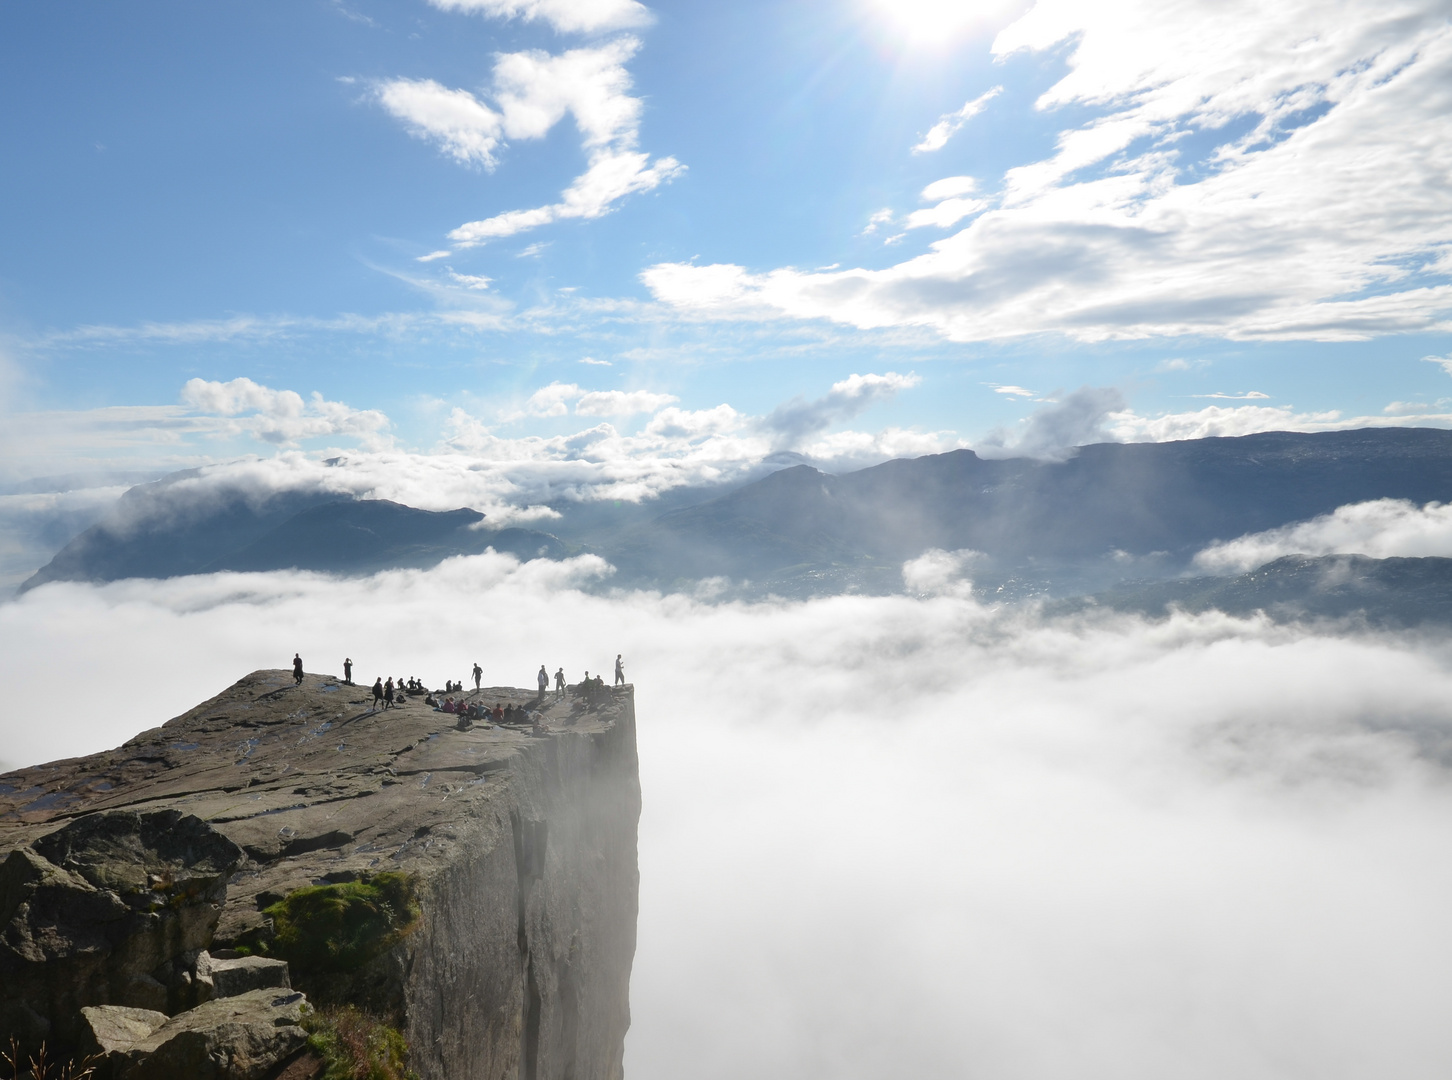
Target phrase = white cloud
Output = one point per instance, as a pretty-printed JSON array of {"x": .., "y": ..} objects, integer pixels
[
  {"x": 466, "y": 128},
  {"x": 552, "y": 400},
  {"x": 621, "y": 402},
  {"x": 876, "y": 221},
  {"x": 949, "y": 123},
  {"x": 1201, "y": 848},
  {"x": 433, "y": 255},
  {"x": 797, "y": 419},
  {"x": 1445, "y": 362},
  {"x": 938, "y": 573},
  {"x": 1054, "y": 432},
  {"x": 946, "y": 213},
  {"x": 596, "y": 363},
  {"x": 1014, "y": 391},
  {"x": 1288, "y": 230},
  {"x": 1251, "y": 395},
  {"x": 281, "y": 417},
  {"x": 532, "y": 92},
  {"x": 1382, "y": 529},
  {"x": 470, "y": 281},
  {"x": 950, "y": 187},
  {"x": 566, "y": 16}
]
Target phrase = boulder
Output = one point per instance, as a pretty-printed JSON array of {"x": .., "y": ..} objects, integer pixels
[
  {"x": 236, "y": 1038},
  {"x": 245, "y": 973},
  {"x": 111, "y": 909},
  {"x": 113, "y": 1028}
]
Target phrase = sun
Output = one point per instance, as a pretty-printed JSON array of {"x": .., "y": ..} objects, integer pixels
[{"x": 927, "y": 22}]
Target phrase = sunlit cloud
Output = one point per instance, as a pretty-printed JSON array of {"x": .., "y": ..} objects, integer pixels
[{"x": 1284, "y": 231}]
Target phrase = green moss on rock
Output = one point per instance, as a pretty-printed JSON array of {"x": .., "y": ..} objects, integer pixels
[{"x": 340, "y": 928}]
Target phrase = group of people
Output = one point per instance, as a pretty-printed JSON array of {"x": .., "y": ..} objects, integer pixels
[
  {"x": 387, "y": 694},
  {"x": 475, "y": 710}
]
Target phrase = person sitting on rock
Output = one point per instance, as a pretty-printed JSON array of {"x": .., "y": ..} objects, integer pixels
[
  {"x": 498, "y": 713},
  {"x": 449, "y": 705},
  {"x": 432, "y": 701},
  {"x": 377, "y": 692}
]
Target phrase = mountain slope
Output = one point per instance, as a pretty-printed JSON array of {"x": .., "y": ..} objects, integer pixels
[{"x": 1147, "y": 500}]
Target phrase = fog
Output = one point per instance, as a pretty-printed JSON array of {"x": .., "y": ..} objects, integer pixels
[
  {"x": 1380, "y": 528},
  {"x": 898, "y": 836}
]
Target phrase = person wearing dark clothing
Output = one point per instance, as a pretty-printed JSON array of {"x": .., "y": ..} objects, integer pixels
[
  {"x": 297, "y": 668},
  {"x": 348, "y": 671},
  {"x": 388, "y": 694},
  {"x": 478, "y": 674},
  {"x": 560, "y": 685},
  {"x": 543, "y": 679},
  {"x": 619, "y": 670},
  {"x": 377, "y": 693}
]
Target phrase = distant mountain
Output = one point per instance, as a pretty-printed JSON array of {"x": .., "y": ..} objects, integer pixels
[
  {"x": 1149, "y": 506},
  {"x": 1381, "y": 592},
  {"x": 366, "y": 535},
  {"x": 158, "y": 534},
  {"x": 1112, "y": 513}
]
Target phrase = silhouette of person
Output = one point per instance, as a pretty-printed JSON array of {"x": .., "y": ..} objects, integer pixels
[
  {"x": 388, "y": 693},
  {"x": 478, "y": 674},
  {"x": 619, "y": 670},
  {"x": 348, "y": 670},
  {"x": 543, "y": 678},
  {"x": 377, "y": 692},
  {"x": 560, "y": 684},
  {"x": 297, "y": 668}
]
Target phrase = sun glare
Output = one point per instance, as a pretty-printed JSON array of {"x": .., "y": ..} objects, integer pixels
[{"x": 926, "y": 22}]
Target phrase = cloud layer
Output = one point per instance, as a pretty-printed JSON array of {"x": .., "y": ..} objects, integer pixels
[
  {"x": 1381, "y": 528},
  {"x": 1320, "y": 211},
  {"x": 887, "y": 836}
]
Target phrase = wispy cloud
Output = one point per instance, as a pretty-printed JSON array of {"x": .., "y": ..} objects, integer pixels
[
  {"x": 949, "y": 123},
  {"x": 531, "y": 93}
]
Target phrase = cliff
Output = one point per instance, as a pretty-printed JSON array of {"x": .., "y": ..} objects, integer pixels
[{"x": 195, "y": 850}]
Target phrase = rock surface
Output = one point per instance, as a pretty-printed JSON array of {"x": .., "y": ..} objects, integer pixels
[
  {"x": 110, "y": 909},
  {"x": 522, "y": 846},
  {"x": 116, "y": 1027},
  {"x": 238, "y": 1038},
  {"x": 242, "y": 974}
]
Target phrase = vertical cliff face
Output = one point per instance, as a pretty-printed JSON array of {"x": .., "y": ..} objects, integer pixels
[{"x": 518, "y": 844}]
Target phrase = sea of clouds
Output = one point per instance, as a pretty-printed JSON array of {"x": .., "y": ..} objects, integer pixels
[{"x": 912, "y": 835}]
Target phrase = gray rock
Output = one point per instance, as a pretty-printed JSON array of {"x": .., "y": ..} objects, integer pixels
[
  {"x": 106, "y": 911},
  {"x": 116, "y": 1027},
  {"x": 236, "y": 1038},
  {"x": 245, "y": 973}
]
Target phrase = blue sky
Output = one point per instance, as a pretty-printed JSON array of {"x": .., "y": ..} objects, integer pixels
[{"x": 1235, "y": 219}]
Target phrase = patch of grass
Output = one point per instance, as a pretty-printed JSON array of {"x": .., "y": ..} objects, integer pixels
[
  {"x": 357, "y": 1045},
  {"x": 339, "y": 928}
]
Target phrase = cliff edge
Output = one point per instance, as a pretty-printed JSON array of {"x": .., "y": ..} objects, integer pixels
[{"x": 476, "y": 888}]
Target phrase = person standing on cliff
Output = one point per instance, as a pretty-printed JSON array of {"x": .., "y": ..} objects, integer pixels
[
  {"x": 543, "y": 679},
  {"x": 478, "y": 674},
  {"x": 348, "y": 670},
  {"x": 388, "y": 694},
  {"x": 619, "y": 670},
  {"x": 297, "y": 672},
  {"x": 377, "y": 693},
  {"x": 560, "y": 685}
]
